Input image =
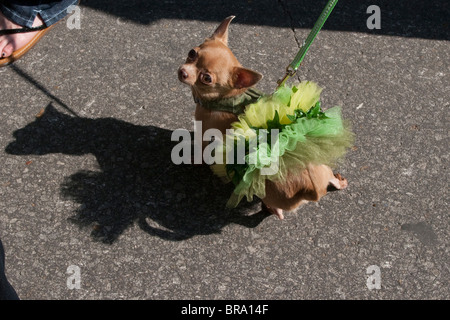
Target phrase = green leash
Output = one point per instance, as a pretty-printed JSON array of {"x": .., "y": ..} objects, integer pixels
[{"x": 295, "y": 64}]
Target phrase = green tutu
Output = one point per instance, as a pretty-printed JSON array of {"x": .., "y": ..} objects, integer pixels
[{"x": 278, "y": 135}]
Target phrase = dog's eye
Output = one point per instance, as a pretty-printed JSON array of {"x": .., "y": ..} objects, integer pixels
[
  {"x": 192, "y": 55},
  {"x": 206, "y": 78}
]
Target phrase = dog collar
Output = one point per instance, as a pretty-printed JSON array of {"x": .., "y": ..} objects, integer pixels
[{"x": 235, "y": 105}]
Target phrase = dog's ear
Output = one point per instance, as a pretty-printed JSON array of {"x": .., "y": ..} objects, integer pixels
[
  {"x": 221, "y": 32},
  {"x": 245, "y": 78}
]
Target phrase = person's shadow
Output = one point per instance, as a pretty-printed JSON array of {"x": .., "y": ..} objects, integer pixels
[{"x": 137, "y": 181}]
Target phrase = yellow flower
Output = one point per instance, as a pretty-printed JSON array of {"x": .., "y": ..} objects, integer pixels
[
  {"x": 303, "y": 96},
  {"x": 306, "y": 96}
]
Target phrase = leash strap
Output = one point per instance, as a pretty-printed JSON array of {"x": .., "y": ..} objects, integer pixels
[{"x": 295, "y": 64}]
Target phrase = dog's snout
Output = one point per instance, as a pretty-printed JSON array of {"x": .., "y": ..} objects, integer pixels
[{"x": 182, "y": 74}]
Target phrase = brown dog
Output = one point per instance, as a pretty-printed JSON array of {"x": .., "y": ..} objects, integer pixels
[
  {"x": 214, "y": 73},
  {"x": 221, "y": 88}
]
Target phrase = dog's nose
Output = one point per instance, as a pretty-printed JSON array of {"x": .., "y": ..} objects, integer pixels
[{"x": 182, "y": 74}]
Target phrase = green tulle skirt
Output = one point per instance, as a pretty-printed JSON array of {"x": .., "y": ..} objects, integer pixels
[{"x": 278, "y": 135}]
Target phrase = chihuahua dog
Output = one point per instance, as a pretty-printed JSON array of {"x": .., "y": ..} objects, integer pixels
[{"x": 215, "y": 75}]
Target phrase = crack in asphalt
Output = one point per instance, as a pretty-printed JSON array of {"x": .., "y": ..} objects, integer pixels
[
  {"x": 287, "y": 12},
  {"x": 291, "y": 21}
]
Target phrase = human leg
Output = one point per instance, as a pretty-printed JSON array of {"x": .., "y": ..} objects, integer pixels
[
  {"x": 7, "y": 292},
  {"x": 17, "y": 14}
]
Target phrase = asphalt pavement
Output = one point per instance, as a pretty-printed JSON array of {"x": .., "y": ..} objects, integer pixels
[{"x": 92, "y": 207}]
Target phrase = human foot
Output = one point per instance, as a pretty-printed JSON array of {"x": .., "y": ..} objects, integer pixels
[{"x": 13, "y": 42}]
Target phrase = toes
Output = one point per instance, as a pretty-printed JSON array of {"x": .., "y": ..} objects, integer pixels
[
  {"x": 275, "y": 211},
  {"x": 343, "y": 183},
  {"x": 3, "y": 43},
  {"x": 279, "y": 213},
  {"x": 337, "y": 183},
  {"x": 7, "y": 51},
  {"x": 6, "y": 47}
]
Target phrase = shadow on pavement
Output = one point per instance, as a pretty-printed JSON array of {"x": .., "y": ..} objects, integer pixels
[
  {"x": 404, "y": 18},
  {"x": 136, "y": 181}
]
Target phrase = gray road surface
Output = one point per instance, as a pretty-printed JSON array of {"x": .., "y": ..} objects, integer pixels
[{"x": 87, "y": 184}]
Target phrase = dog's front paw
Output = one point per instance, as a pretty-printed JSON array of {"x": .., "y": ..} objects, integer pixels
[{"x": 276, "y": 211}]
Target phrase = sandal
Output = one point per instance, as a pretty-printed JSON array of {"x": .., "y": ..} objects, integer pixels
[{"x": 16, "y": 55}]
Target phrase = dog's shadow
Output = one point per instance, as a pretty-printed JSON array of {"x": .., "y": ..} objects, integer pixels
[{"x": 137, "y": 181}]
